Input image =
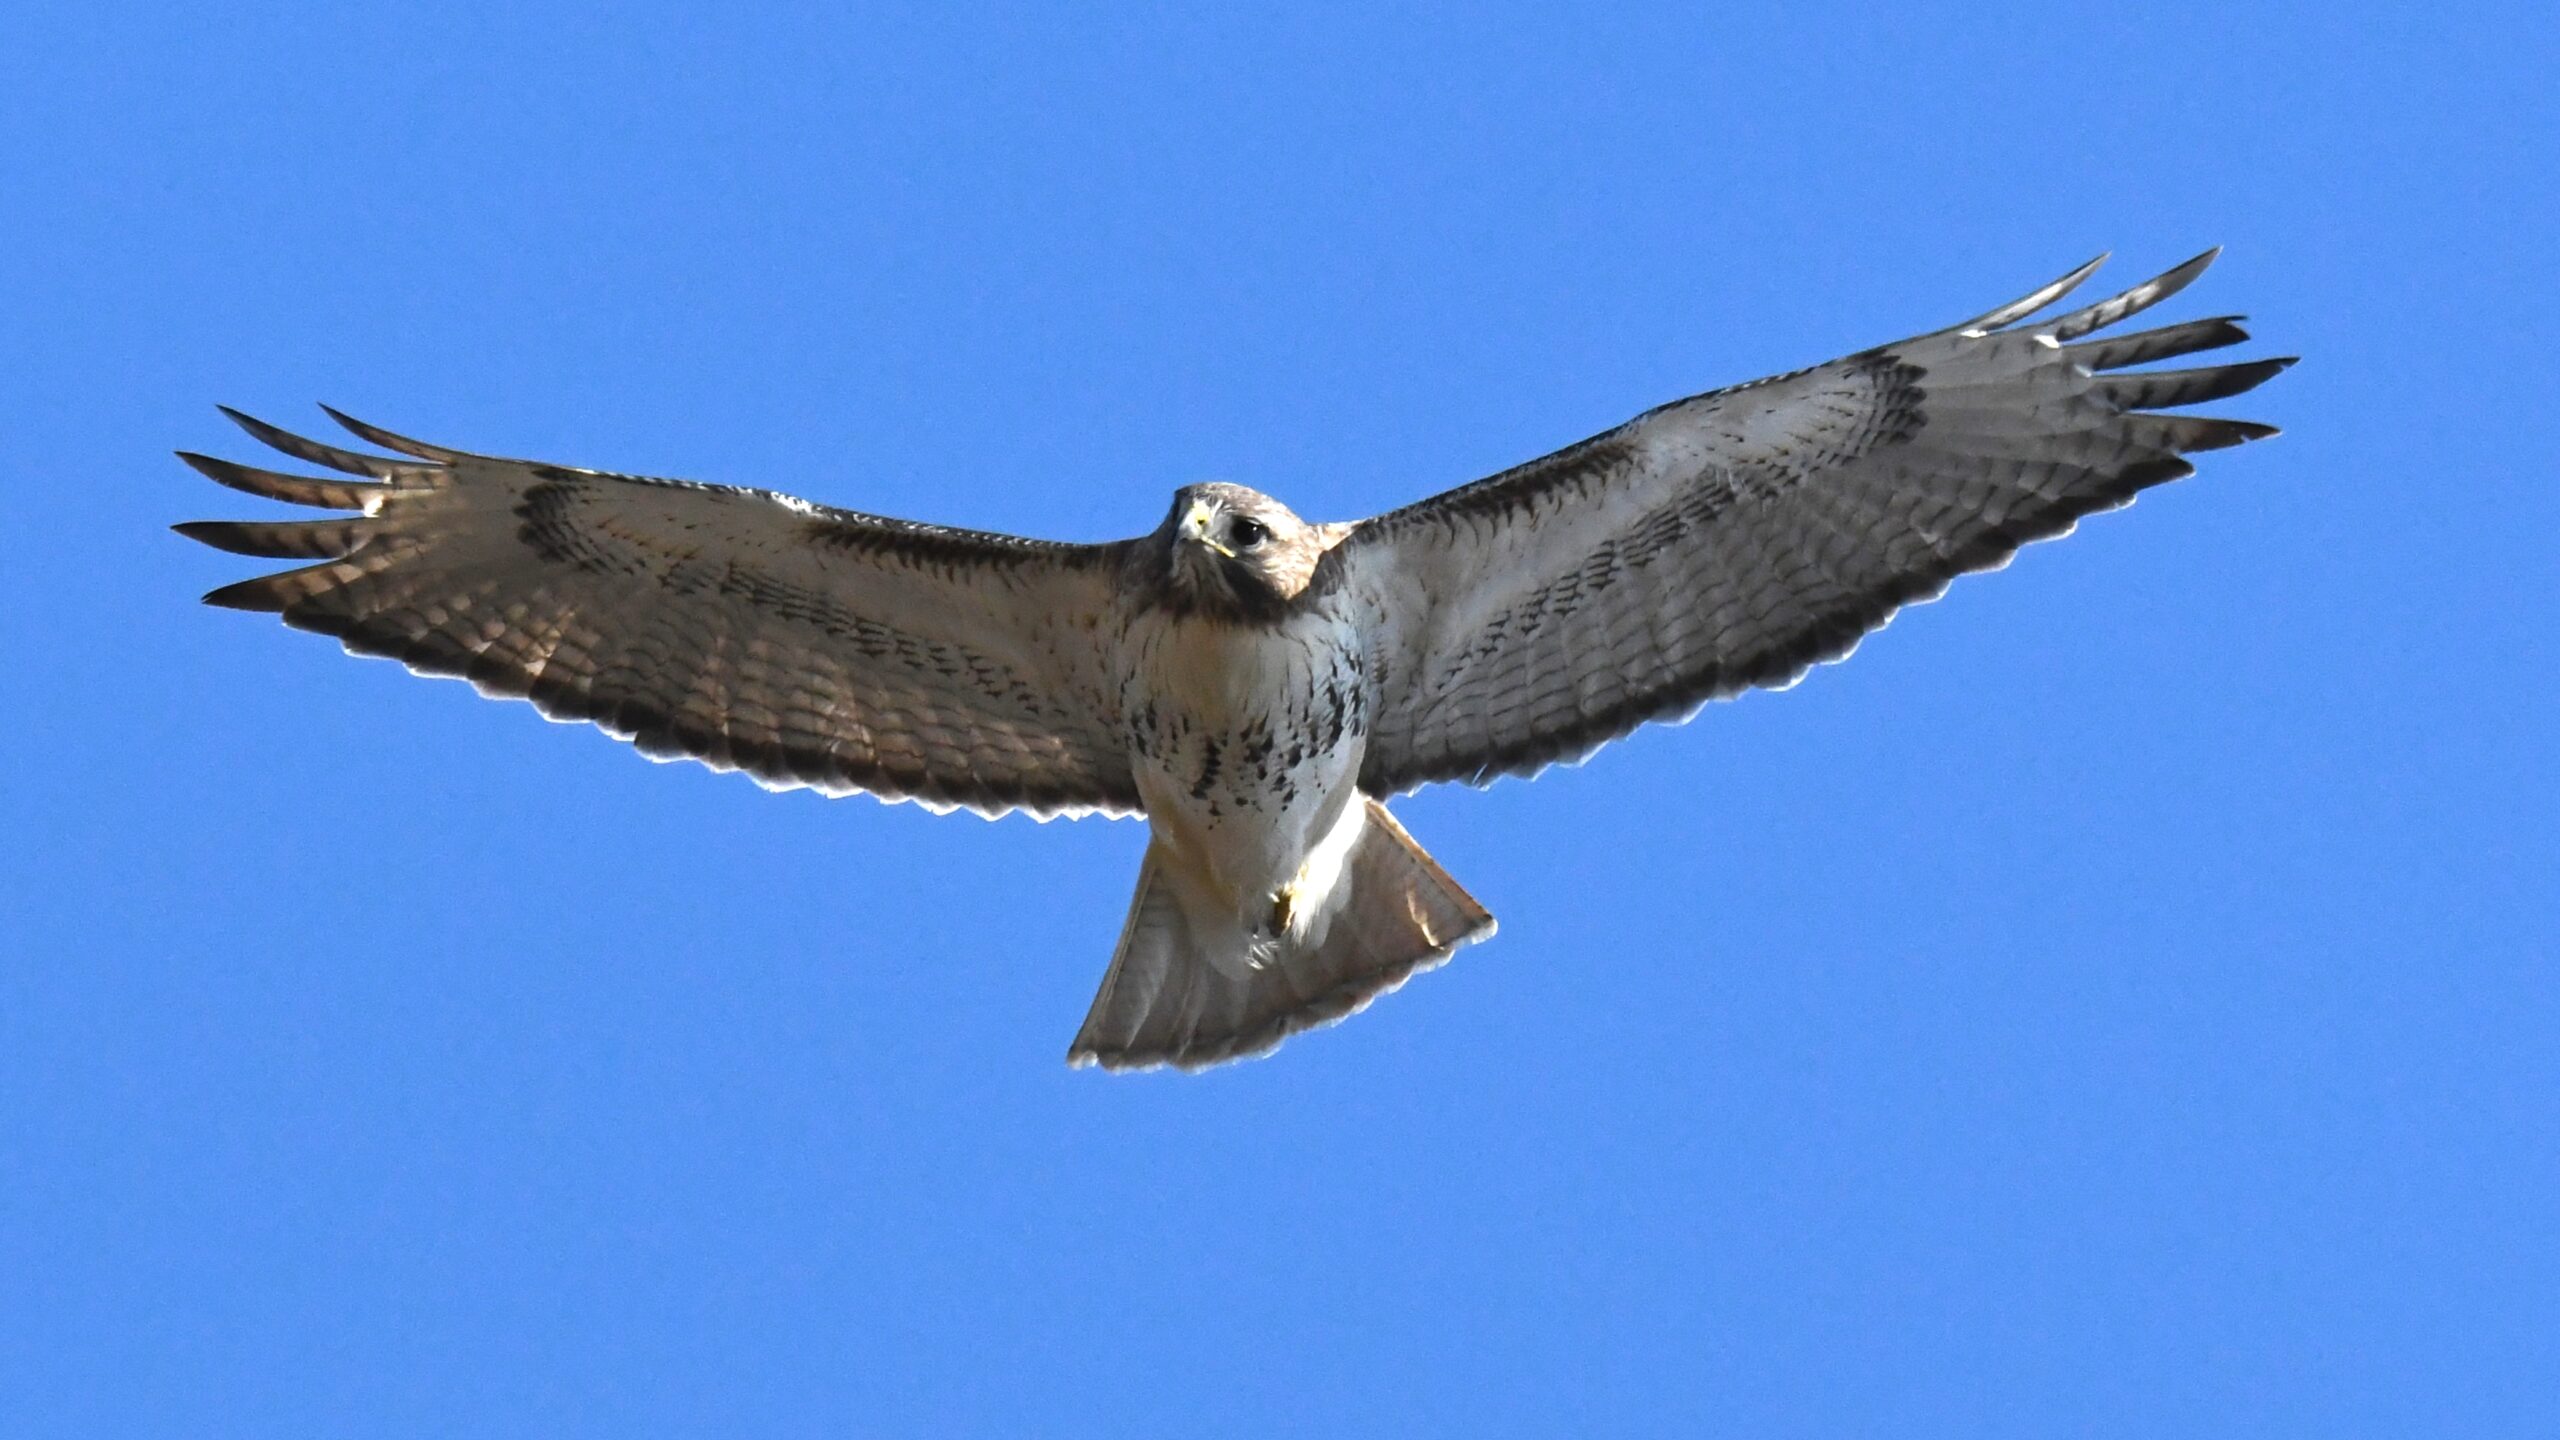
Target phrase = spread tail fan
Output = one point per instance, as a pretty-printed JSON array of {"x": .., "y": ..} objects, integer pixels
[{"x": 1164, "y": 1002}]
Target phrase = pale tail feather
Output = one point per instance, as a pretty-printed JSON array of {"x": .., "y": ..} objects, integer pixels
[{"x": 1164, "y": 1003}]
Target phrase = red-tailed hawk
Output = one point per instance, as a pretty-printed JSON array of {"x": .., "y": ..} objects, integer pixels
[{"x": 1255, "y": 685}]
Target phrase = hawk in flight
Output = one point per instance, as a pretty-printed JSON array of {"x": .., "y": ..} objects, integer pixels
[{"x": 1255, "y": 685}]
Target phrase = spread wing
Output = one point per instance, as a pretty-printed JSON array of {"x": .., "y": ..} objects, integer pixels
[
  {"x": 748, "y": 630},
  {"x": 1739, "y": 537}
]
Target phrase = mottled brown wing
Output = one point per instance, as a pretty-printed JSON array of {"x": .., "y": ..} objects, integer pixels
[
  {"x": 1739, "y": 537},
  {"x": 748, "y": 630}
]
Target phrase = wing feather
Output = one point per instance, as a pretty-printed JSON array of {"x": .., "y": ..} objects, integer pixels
[
  {"x": 313, "y": 452},
  {"x": 2161, "y": 389},
  {"x": 2035, "y": 300},
  {"x": 2114, "y": 352},
  {"x": 2132, "y": 302},
  {"x": 293, "y": 540},
  {"x": 751, "y": 631},
  {"x": 1740, "y": 537},
  {"x": 376, "y": 435},
  {"x": 306, "y": 490}
]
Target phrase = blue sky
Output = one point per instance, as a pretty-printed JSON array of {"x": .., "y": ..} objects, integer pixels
[{"x": 2119, "y": 1002}]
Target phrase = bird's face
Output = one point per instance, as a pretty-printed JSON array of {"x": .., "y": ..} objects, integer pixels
[{"x": 1238, "y": 552}]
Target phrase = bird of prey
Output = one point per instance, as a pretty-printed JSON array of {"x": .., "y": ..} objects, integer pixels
[{"x": 1255, "y": 685}]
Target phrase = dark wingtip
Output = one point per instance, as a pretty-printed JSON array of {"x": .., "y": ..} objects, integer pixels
[
  {"x": 207, "y": 532},
  {"x": 2262, "y": 371},
  {"x": 211, "y": 468},
  {"x": 258, "y": 429},
  {"x": 2254, "y": 373},
  {"x": 255, "y": 595},
  {"x": 312, "y": 452},
  {"x": 388, "y": 440},
  {"x": 2228, "y": 433},
  {"x": 2179, "y": 276}
]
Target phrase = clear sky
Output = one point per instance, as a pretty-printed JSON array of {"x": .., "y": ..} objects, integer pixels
[{"x": 2121, "y": 1001}]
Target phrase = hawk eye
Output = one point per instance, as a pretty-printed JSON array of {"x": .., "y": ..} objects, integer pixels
[{"x": 1247, "y": 533}]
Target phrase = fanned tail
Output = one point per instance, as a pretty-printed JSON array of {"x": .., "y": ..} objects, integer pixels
[{"x": 1163, "y": 1002}]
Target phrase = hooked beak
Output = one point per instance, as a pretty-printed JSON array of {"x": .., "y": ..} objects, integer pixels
[{"x": 1195, "y": 527}]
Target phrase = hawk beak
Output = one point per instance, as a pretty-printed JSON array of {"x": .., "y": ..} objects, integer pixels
[{"x": 1195, "y": 527}]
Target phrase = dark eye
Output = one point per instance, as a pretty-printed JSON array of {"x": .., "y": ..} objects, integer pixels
[{"x": 1247, "y": 533}]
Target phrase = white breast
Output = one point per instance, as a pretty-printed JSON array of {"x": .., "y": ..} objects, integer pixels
[{"x": 1247, "y": 744}]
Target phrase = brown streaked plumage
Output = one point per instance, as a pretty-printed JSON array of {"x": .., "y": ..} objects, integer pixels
[{"x": 1255, "y": 685}]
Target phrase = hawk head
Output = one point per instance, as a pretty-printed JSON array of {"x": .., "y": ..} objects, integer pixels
[{"x": 1236, "y": 553}]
